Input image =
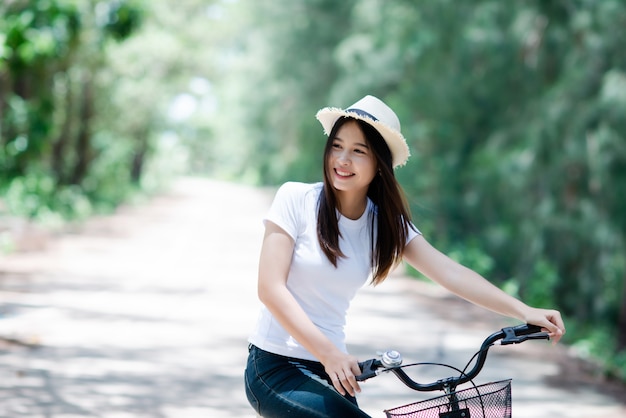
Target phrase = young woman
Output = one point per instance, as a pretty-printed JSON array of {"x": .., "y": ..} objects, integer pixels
[{"x": 322, "y": 242}]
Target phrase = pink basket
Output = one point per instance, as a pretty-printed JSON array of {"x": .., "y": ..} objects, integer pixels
[{"x": 491, "y": 400}]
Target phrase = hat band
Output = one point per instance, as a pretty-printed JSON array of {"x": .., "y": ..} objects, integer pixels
[{"x": 363, "y": 113}]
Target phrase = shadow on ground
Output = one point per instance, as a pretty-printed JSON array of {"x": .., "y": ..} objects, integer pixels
[{"x": 145, "y": 313}]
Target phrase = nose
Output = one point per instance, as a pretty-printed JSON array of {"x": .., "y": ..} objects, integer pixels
[{"x": 343, "y": 158}]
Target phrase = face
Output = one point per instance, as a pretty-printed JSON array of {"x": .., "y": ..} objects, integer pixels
[{"x": 351, "y": 162}]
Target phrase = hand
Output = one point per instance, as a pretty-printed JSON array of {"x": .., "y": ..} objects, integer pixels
[
  {"x": 342, "y": 369},
  {"x": 549, "y": 320}
]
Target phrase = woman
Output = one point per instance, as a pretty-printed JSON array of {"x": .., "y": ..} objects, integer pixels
[{"x": 322, "y": 242}]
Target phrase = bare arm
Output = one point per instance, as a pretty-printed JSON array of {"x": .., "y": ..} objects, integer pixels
[
  {"x": 473, "y": 287},
  {"x": 274, "y": 264}
]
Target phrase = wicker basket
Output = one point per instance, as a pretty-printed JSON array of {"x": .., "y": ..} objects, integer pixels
[{"x": 491, "y": 400}]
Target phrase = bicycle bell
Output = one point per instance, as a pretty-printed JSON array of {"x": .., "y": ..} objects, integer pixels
[{"x": 391, "y": 358}]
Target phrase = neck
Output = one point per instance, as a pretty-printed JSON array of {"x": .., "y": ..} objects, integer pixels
[{"x": 351, "y": 205}]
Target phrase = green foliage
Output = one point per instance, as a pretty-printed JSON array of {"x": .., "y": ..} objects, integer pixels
[
  {"x": 538, "y": 288},
  {"x": 71, "y": 143},
  {"x": 36, "y": 196},
  {"x": 36, "y": 43},
  {"x": 598, "y": 344},
  {"x": 514, "y": 113},
  {"x": 472, "y": 256},
  {"x": 280, "y": 69},
  {"x": 121, "y": 18}
]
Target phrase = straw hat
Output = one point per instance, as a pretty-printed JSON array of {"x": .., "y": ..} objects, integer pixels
[{"x": 375, "y": 112}]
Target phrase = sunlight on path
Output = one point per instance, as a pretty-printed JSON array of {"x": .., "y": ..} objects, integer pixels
[{"x": 145, "y": 314}]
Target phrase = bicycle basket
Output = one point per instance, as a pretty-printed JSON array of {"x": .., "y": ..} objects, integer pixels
[{"x": 491, "y": 400}]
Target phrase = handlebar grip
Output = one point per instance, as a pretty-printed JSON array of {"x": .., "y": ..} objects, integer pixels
[
  {"x": 526, "y": 329},
  {"x": 368, "y": 369},
  {"x": 521, "y": 333}
]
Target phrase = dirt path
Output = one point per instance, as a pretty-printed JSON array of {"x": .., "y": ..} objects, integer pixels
[{"x": 145, "y": 314}]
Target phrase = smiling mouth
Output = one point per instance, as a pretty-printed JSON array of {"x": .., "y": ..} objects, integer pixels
[{"x": 343, "y": 174}]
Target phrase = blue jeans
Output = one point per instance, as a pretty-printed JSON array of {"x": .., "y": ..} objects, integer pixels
[{"x": 279, "y": 386}]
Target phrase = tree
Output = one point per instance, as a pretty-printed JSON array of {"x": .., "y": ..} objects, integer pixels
[
  {"x": 514, "y": 112},
  {"x": 53, "y": 55}
]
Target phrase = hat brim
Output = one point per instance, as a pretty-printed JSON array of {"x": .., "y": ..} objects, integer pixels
[{"x": 395, "y": 140}]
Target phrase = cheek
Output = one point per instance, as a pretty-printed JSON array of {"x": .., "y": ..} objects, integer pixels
[
  {"x": 328, "y": 164},
  {"x": 370, "y": 170},
  {"x": 373, "y": 166},
  {"x": 331, "y": 156}
]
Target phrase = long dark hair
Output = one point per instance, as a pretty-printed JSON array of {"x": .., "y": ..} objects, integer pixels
[{"x": 392, "y": 214}]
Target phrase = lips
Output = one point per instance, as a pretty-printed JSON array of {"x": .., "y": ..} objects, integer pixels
[{"x": 343, "y": 173}]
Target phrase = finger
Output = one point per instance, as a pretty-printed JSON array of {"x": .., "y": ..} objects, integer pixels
[
  {"x": 550, "y": 328},
  {"x": 354, "y": 385},
  {"x": 350, "y": 384},
  {"x": 558, "y": 321},
  {"x": 555, "y": 318},
  {"x": 555, "y": 326},
  {"x": 557, "y": 335},
  {"x": 344, "y": 379},
  {"x": 356, "y": 370},
  {"x": 337, "y": 384}
]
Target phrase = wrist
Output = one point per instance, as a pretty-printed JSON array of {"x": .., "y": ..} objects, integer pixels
[
  {"x": 329, "y": 354},
  {"x": 523, "y": 312}
]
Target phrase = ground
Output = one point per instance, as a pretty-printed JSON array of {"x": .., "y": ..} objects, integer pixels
[{"x": 145, "y": 313}]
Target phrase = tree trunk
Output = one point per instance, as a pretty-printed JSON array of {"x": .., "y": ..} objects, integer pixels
[
  {"x": 137, "y": 164},
  {"x": 3, "y": 107},
  {"x": 621, "y": 321},
  {"x": 83, "y": 148},
  {"x": 60, "y": 145}
]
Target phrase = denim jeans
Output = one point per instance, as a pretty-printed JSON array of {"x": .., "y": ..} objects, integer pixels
[{"x": 279, "y": 386}]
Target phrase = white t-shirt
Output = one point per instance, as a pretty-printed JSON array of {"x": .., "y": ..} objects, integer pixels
[{"x": 323, "y": 291}]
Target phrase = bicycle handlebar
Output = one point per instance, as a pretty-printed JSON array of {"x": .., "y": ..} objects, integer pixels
[{"x": 506, "y": 336}]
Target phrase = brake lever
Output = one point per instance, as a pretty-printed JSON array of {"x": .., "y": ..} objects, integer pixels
[{"x": 536, "y": 336}]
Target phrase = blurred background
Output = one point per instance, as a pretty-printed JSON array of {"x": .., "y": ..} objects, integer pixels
[{"x": 515, "y": 113}]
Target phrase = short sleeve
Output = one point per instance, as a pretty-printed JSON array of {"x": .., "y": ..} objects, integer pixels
[
  {"x": 286, "y": 208},
  {"x": 413, "y": 232}
]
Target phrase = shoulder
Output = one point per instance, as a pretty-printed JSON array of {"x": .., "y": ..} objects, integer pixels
[
  {"x": 294, "y": 207},
  {"x": 296, "y": 190},
  {"x": 298, "y": 187}
]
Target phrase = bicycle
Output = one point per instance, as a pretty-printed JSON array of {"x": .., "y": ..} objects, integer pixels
[{"x": 489, "y": 400}]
